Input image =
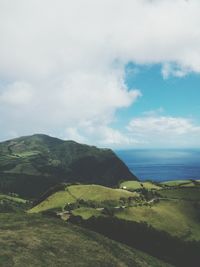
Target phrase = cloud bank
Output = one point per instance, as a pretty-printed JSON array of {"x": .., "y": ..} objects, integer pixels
[
  {"x": 164, "y": 131},
  {"x": 62, "y": 62}
]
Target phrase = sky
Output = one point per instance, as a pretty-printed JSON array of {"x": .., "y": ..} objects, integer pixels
[{"x": 112, "y": 73}]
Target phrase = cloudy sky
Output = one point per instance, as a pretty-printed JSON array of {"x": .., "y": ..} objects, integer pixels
[{"x": 113, "y": 73}]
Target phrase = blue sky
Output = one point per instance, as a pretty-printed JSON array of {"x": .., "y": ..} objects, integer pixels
[
  {"x": 177, "y": 96},
  {"x": 162, "y": 97},
  {"x": 174, "y": 96},
  {"x": 107, "y": 73}
]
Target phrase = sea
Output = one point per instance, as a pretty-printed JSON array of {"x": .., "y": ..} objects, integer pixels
[{"x": 162, "y": 164}]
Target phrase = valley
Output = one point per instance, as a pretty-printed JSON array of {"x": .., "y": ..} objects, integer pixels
[{"x": 45, "y": 220}]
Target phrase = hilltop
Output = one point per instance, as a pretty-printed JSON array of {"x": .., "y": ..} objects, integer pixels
[{"x": 30, "y": 165}]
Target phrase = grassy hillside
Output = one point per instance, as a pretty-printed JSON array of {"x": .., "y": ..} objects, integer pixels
[
  {"x": 27, "y": 240},
  {"x": 86, "y": 213},
  {"x": 177, "y": 183},
  {"x": 30, "y": 165},
  {"x": 94, "y": 193},
  {"x": 135, "y": 185},
  {"x": 12, "y": 198},
  {"x": 174, "y": 210},
  {"x": 177, "y": 217},
  {"x": 163, "y": 212},
  {"x": 185, "y": 193},
  {"x": 12, "y": 203}
]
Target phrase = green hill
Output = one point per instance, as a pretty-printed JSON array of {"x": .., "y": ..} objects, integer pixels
[
  {"x": 10, "y": 203},
  {"x": 173, "y": 210},
  {"x": 12, "y": 198},
  {"x": 30, "y": 165},
  {"x": 177, "y": 217},
  {"x": 137, "y": 185},
  {"x": 95, "y": 194},
  {"x": 184, "y": 193},
  {"x": 29, "y": 240},
  {"x": 173, "y": 207},
  {"x": 176, "y": 183}
]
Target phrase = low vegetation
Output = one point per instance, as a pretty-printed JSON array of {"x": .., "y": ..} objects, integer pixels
[
  {"x": 178, "y": 183},
  {"x": 13, "y": 198},
  {"x": 136, "y": 185},
  {"x": 31, "y": 165},
  {"x": 178, "y": 218},
  {"x": 185, "y": 193},
  {"x": 142, "y": 236},
  {"x": 95, "y": 195},
  {"x": 87, "y": 213},
  {"x": 12, "y": 203},
  {"x": 33, "y": 240},
  {"x": 161, "y": 219},
  {"x": 174, "y": 210}
]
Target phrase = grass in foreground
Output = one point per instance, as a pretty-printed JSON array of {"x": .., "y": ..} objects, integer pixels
[{"x": 31, "y": 240}]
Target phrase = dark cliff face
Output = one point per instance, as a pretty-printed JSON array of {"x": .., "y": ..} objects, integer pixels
[{"x": 30, "y": 165}]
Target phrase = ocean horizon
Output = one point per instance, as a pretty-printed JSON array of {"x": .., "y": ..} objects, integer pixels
[{"x": 162, "y": 164}]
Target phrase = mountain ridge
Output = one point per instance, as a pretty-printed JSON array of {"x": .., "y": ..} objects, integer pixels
[{"x": 40, "y": 161}]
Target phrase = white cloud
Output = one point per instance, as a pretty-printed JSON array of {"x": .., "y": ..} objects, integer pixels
[
  {"x": 164, "y": 131},
  {"x": 41, "y": 39},
  {"x": 170, "y": 69},
  {"x": 72, "y": 133},
  {"x": 154, "y": 112},
  {"x": 101, "y": 136},
  {"x": 150, "y": 130},
  {"x": 62, "y": 62},
  {"x": 17, "y": 93}
]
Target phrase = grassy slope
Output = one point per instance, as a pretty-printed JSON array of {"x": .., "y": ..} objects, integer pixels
[
  {"x": 14, "y": 199},
  {"x": 178, "y": 215},
  {"x": 86, "y": 213},
  {"x": 30, "y": 165},
  {"x": 12, "y": 203},
  {"x": 176, "y": 182},
  {"x": 99, "y": 193},
  {"x": 185, "y": 193},
  {"x": 175, "y": 215},
  {"x": 72, "y": 193},
  {"x": 179, "y": 218},
  {"x": 29, "y": 240},
  {"x": 134, "y": 185}
]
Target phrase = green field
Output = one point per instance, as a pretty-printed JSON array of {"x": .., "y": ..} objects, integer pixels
[
  {"x": 86, "y": 213},
  {"x": 190, "y": 184},
  {"x": 33, "y": 240},
  {"x": 63, "y": 178},
  {"x": 185, "y": 193},
  {"x": 12, "y": 198},
  {"x": 95, "y": 193},
  {"x": 177, "y": 211},
  {"x": 178, "y": 218},
  {"x": 12, "y": 203},
  {"x": 176, "y": 182},
  {"x": 135, "y": 185}
]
